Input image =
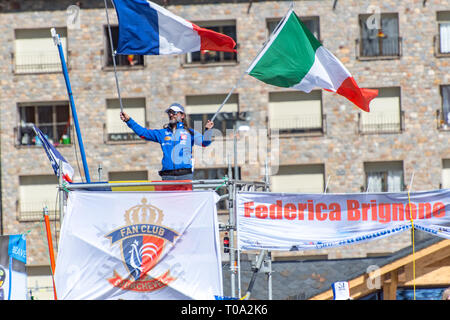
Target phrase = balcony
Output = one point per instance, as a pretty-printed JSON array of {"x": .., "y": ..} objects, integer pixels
[
  {"x": 33, "y": 210},
  {"x": 42, "y": 62},
  {"x": 384, "y": 47},
  {"x": 381, "y": 123},
  {"x": 307, "y": 125}
]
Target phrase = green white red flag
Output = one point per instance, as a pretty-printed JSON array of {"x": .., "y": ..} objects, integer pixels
[{"x": 294, "y": 58}]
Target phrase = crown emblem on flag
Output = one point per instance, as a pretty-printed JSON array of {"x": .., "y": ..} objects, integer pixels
[
  {"x": 142, "y": 240},
  {"x": 143, "y": 214}
]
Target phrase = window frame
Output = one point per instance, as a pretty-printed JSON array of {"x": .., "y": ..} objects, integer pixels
[
  {"x": 128, "y": 135},
  {"x": 187, "y": 60},
  {"x": 106, "y": 53},
  {"x": 385, "y": 171},
  {"x": 57, "y": 69},
  {"x": 23, "y": 129},
  {"x": 299, "y": 131},
  {"x": 437, "y": 37},
  {"x": 362, "y": 18},
  {"x": 400, "y": 129},
  {"x": 302, "y": 18}
]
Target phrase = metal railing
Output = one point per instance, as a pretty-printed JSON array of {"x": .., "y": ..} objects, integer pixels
[
  {"x": 381, "y": 123},
  {"x": 379, "y": 47},
  {"x": 39, "y": 62},
  {"x": 307, "y": 124}
]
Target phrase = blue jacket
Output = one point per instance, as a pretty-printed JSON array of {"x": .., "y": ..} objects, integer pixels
[{"x": 176, "y": 146}]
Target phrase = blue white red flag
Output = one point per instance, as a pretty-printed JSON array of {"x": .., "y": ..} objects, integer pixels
[
  {"x": 13, "y": 274},
  {"x": 54, "y": 156},
  {"x": 146, "y": 28}
]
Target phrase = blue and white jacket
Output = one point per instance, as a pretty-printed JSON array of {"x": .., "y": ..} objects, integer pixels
[{"x": 176, "y": 146}]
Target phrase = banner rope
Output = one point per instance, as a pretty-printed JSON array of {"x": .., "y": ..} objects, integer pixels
[
  {"x": 413, "y": 247},
  {"x": 225, "y": 178}
]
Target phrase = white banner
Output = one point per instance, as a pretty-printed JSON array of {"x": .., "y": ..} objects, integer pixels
[
  {"x": 139, "y": 245},
  {"x": 289, "y": 222}
]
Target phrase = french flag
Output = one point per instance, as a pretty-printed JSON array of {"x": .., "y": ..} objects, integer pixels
[
  {"x": 146, "y": 28},
  {"x": 54, "y": 156}
]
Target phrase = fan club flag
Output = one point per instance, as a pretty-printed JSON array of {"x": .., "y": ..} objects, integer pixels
[
  {"x": 139, "y": 245},
  {"x": 294, "y": 58},
  {"x": 13, "y": 276},
  {"x": 146, "y": 28},
  {"x": 54, "y": 156},
  {"x": 290, "y": 222}
]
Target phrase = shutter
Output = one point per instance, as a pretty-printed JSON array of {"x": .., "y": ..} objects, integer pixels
[
  {"x": 134, "y": 107},
  {"x": 36, "y": 192},
  {"x": 446, "y": 174},
  {"x": 299, "y": 179},
  {"x": 36, "y": 52},
  {"x": 209, "y": 104},
  {"x": 295, "y": 110},
  {"x": 384, "y": 111}
]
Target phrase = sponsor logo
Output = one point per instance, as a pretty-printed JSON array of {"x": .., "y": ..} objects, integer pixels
[{"x": 142, "y": 240}]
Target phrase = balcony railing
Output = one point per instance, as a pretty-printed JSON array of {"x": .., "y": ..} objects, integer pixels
[
  {"x": 25, "y": 136},
  {"x": 307, "y": 124},
  {"x": 379, "y": 47},
  {"x": 40, "y": 62},
  {"x": 381, "y": 123},
  {"x": 32, "y": 210},
  {"x": 120, "y": 133}
]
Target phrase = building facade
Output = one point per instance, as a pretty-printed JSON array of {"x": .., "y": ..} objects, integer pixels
[{"x": 315, "y": 141}]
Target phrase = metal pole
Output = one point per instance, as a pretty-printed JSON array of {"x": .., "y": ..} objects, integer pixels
[
  {"x": 113, "y": 55},
  {"x": 231, "y": 225},
  {"x": 57, "y": 41},
  {"x": 269, "y": 275},
  {"x": 61, "y": 194}
]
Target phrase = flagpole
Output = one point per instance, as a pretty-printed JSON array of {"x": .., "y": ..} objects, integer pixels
[
  {"x": 57, "y": 42},
  {"x": 113, "y": 55},
  {"x": 50, "y": 248}
]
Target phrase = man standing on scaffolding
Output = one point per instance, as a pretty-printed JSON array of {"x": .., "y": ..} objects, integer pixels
[{"x": 176, "y": 140}]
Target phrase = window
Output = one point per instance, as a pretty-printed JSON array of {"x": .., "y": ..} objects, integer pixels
[
  {"x": 446, "y": 174},
  {"x": 201, "y": 108},
  {"x": 35, "y": 51},
  {"x": 52, "y": 118},
  {"x": 209, "y": 57},
  {"x": 443, "y": 115},
  {"x": 443, "y": 43},
  {"x": 128, "y": 176},
  {"x": 214, "y": 174},
  {"x": 299, "y": 179},
  {"x": 385, "y": 115},
  {"x": 35, "y": 193},
  {"x": 312, "y": 23},
  {"x": 116, "y": 129},
  {"x": 384, "y": 176},
  {"x": 130, "y": 60},
  {"x": 295, "y": 111},
  {"x": 382, "y": 42}
]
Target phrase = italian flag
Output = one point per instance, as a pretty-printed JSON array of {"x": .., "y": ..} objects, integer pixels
[{"x": 294, "y": 58}]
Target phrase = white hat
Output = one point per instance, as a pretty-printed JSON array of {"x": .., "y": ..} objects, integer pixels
[{"x": 175, "y": 107}]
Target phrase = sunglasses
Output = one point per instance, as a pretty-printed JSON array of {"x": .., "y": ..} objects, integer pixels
[{"x": 171, "y": 112}]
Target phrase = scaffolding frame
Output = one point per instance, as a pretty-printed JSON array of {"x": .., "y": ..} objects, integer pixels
[{"x": 228, "y": 183}]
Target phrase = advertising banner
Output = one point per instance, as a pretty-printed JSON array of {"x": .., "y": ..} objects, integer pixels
[
  {"x": 289, "y": 222},
  {"x": 13, "y": 276}
]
